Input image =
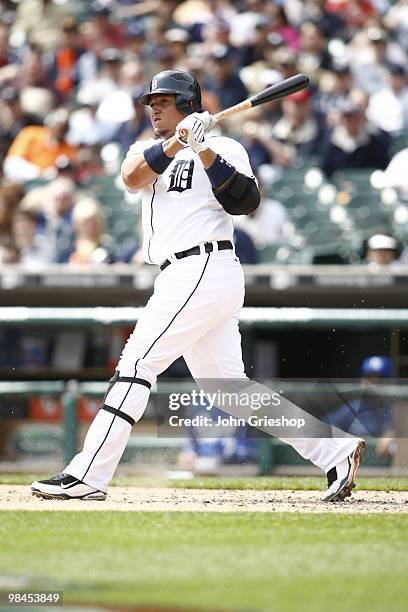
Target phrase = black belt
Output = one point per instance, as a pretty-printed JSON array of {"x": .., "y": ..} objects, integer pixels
[{"x": 223, "y": 245}]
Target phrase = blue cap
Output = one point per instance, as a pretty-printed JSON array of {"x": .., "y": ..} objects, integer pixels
[{"x": 377, "y": 365}]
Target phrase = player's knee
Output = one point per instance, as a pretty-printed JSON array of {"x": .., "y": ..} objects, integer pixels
[{"x": 128, "y": 398}]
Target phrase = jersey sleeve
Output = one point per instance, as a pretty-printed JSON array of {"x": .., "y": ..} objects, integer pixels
[
  {"x": 233, "y": 152},
  {"x": 137, "y": 149},
  {"x": 140, "y": 146}
]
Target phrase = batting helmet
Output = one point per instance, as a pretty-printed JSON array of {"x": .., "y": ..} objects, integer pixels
[{"x": 183, "y": 84}]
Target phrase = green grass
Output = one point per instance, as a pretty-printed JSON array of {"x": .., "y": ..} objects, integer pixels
[
  {"x": 260, "y": 483},
  {"x": 244, "y": 561}
]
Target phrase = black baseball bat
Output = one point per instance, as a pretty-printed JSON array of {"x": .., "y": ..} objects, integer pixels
[{"x": 274, "y": 92}]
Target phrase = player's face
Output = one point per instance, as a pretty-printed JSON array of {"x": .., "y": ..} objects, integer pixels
[{"x": 164, "y": 116}]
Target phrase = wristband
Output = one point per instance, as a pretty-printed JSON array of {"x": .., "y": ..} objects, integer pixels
[
  {"x": 156, "y": 158},
  {"x": 219, "y": 172}
]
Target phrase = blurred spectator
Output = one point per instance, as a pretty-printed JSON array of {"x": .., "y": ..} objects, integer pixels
[
  {"x": 369, "y": 414},
  {"x": 253, "y": 139},
  {"x": 34, "y": 248},
  {"x": 313, "y": 56},
  {"x": 370, "y": 63},
  {"x": 92, "y": 63},
  {"x": 98, "y": 31},
  {"x": 34, "y": 151},
  {"x": 39, "y": 22},
  {"x": 329, "y": 19},
  {"x": 278, "y": 22},
  {"x": 138, "y": 127},
  {"x": 245, "y": 56},
  {"x": 12, "y": 118},
  {"x": 223, "y": 79},
  {"x": 89, "y": 164},
  {"x": 382, "y": 250},
  {"x": 243, "y": 24},
  {"x": 132, "y": 13},
  {"x": 396, "y": 20},
  {"x": 116, "y": 106},
  {"x": 210, "y": 101},
  {"x": 131, "y": 251},
  {"x": 136, "y": 46},
  {"x": 10, "y": 196},
  {"x": 261, "y": 71},
  {"x": 354, "y": 143},
  {"x": 264, "y": 225},
  {"x": 53, "y": 205},
  {"x": 354, "y": 14},
  {"x": 177, "y": 42},
  {"x": 297, "y": 130},
  {"x": 388, "y": 107},
  {"x": 35, "y": 84},
  {"x": 66, "y": 168},
  {"x": 8, "y": 57},
  {"x": 106, "y": 101},
  {"x": 284, "y": 60},
  {"x": 131, "y": 254},
  {"x": 334, "y": 90},
  {"x": 65, "y": 60},
  {"x": 90, "y": 243},
  {"x": 105, "y": 80},
  {"x": 85, "y": 128}
]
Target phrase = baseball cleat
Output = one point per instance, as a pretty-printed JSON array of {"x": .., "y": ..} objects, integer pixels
[
  {"x": 65, "y": 486},
  {"x": 341, "y": 478}
]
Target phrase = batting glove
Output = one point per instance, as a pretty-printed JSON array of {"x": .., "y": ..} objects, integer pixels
[
  {"x": 207, "y": 120},
  {"x": 190, "y": 131}
]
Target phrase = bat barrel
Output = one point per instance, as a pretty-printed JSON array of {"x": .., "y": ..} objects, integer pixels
[{"x": 281, "y": 90}]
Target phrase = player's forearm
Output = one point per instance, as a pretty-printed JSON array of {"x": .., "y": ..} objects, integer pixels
[
  {"x": 207, "y": 157},
  {"x": 141, "y": 170}
]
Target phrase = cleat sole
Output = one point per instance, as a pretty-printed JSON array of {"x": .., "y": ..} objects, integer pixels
[
  {"x": 349, "y": 484},
  {"x": 63, "y": 496}
]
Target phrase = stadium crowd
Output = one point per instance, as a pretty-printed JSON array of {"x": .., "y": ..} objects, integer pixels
[{"x": 71, "y": 74}]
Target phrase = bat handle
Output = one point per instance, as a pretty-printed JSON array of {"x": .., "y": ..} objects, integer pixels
[{"x": 184, "y": 133}]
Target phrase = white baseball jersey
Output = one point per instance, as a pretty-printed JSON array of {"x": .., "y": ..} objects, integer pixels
[{"x": 179, "y": 209}]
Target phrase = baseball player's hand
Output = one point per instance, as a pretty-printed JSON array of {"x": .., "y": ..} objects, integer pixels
[
  {"x": 190, "y": 131},
  {"x": 207, "y": 120}
]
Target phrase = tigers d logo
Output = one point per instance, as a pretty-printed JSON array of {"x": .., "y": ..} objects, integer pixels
[
  {"x": 181, "y": 176},
  {"x": 154, "y": 84}
]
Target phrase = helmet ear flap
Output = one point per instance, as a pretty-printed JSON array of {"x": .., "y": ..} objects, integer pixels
[{"x": 183, "y": 105}]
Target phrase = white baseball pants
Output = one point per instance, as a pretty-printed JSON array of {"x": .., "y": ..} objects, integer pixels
[{"x": 193, "y": 312}]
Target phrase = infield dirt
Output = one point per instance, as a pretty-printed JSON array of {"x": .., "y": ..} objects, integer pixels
[{"x": 132, "y": 499}]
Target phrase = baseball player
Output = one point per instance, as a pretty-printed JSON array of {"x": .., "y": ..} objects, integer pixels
[{"x": 191, "y": 183}]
